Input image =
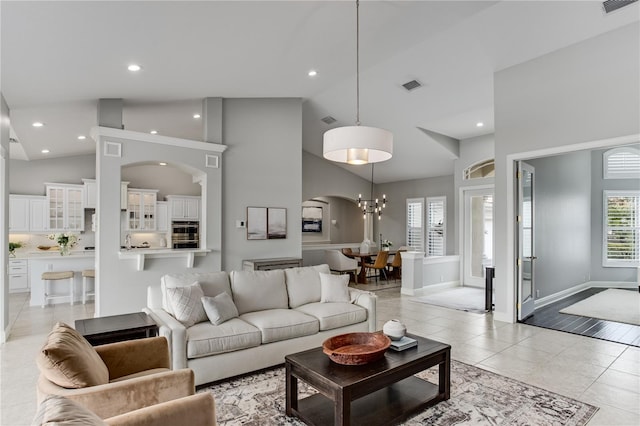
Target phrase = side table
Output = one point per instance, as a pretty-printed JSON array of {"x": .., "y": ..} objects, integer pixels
[{"x": 103, "y": 330}]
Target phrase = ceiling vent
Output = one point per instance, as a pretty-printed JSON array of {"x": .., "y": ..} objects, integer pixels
[
  {"x": 329, "y": 120},
  {"x": 412, "y": 85},
  {"x": 613, "y": 5}
]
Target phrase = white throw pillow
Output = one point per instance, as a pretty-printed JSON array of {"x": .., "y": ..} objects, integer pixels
[
  {"x": 220, "y": 308},
  {"x": 186, "y": 304},
  {"x": 334, "y": 288}
]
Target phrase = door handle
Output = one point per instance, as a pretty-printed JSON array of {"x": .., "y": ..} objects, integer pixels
[{"x": 532, "y": 257}]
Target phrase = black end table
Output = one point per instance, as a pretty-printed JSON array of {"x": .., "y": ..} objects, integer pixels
[{"x": 103, "y": 330}]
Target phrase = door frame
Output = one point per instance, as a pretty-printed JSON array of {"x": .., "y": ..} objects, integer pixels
[{"x": 461, "y": 222}]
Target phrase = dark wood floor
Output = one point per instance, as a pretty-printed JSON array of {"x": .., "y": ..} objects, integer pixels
[{"x": 549, "y": 317}]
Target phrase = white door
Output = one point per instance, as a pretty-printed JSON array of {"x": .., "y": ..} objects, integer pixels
[
  {"x": 526, "y": 247},
  {"x": 478, "y": 235}
]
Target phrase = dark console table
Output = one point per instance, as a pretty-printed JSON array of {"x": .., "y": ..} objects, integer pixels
[{"x": 103, "y": 330}]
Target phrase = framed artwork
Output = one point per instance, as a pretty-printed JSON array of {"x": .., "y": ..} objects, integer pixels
[
  {"x": 312, "y": 219},
  {"x": 276, "y": 223},
  {"x": 256, "y": 223}
]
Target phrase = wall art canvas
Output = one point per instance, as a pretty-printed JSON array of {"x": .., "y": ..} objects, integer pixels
[
  {"x": 256, "y": 223},
  {"x": 312, "y": 219},
  {"x": 276, "y": 223}
]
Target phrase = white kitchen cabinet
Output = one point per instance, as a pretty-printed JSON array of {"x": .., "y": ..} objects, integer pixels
[
  {"x": 124, "y": 195},
  {"x": 141, "y": 209},
  {"x": 65, "y": 207},
  {"x": 18, "y": 213},
  {"x": 38, "y": 219},
  {"x": 162, "y": 211},
  {"x": 90, "y": 193},
  {"x": 18, "y": 276},
  {"x": 183, "y": 207}
]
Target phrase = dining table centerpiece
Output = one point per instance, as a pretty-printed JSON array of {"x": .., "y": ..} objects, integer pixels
[
  {"x": 65, "y": 242},
  {"x": 386, "y": 245}
]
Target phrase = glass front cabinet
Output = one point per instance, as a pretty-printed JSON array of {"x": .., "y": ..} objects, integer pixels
[
  {"x": 65, "y": 207},
  {"x": 141, "y": 209}
]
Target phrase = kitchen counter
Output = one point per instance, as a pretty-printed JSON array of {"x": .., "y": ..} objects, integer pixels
[
  {"x": 52, "y": 254},
  {"x": 140, "y": 254}
]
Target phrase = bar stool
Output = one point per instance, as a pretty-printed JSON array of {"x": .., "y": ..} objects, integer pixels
[
  {"x": 88, "y": 273},
  {"x": 48, "y": 277}
]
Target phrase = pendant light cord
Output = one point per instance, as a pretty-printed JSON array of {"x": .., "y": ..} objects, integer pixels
[
  {"x": 357, "y": 62},
  {"x": 372, "y": 164}
]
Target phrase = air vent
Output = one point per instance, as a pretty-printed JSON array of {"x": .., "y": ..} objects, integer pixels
[
  {"x": 613, "y": 5},
  {"x": 412, "y": 85},
  {"x": 329, "y": 120}
]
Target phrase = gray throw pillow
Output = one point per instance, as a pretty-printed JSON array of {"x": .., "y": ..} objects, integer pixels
[
  {"x": 334, "y": 288},
  {"x": 186, "y": 305},
  {"x": 220, "y": 308}
]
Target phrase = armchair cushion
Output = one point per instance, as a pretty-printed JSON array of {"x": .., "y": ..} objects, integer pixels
[
  {"x": 186, "y": 304},
  {"x": 69, "y": 361},
  {"x": 58, "y": 410}
]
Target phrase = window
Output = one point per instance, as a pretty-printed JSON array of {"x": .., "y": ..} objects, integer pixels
[
  {"x": 415, "y": 227},
  {"x": 621, "y": 236},
  {"x": 479, "y": 170},
  {"x": 622, "y": 163},
  {"x": 436, "y": 229}
]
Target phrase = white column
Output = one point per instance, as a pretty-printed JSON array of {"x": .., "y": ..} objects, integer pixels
[{"x": 412, "y": 272}]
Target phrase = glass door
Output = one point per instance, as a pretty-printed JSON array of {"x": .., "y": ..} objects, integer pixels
[{"x": 478, "y": 235}]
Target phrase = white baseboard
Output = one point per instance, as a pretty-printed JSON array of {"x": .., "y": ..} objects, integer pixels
[
  {"x": 544, "y": 301},
  {"x": 429, "y": 288}
]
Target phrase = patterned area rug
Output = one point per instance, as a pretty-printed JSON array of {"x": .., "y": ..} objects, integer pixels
[
  {"x": 381, "y": 285},
  {"x": 478, "y": 397}
]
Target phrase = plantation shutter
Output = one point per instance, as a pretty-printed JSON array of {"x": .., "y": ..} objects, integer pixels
[
  {"x": 622, "y": 163},
  {"x": 622, "y": 228},
  {"x": 415, "y": 227},
  {"x": 436, "y": 226}
]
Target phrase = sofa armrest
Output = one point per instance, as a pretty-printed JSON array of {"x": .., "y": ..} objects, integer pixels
[
  {"x": 195, "y": 410},
  {"x": 175, "y": 333},
  {"x": 116, "y": 398},
  {"x": 368, "y": 301},
  {"x": 134, "y": 356}
]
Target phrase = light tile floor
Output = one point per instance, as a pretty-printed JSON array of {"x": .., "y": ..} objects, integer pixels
[{"x": 602, "y": 373}]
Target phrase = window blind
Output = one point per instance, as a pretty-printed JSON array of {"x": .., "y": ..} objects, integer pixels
[
  {"x": 436, "y": 213},
  {"x": 622, "y": 228},
  {"x": 622, "y": 163},
  {"x": 415, "y": 227}
]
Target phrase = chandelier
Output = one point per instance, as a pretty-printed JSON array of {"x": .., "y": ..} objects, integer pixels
[
  {"x": 372, "y": 206},
  {"x": 357, "y": 144}
]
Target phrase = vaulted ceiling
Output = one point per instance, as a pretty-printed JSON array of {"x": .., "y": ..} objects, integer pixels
[{"x": 58, "y": 58}]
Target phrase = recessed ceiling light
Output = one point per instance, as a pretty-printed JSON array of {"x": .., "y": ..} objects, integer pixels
[
  {"x": 313, "y": 73},
  {"x": 479, "y": 124},
  {"x": 37, "y": 124},
  {"x": 45, "y": 151},
  {"x": 82, "y": 137},
  {"x": 196, "y": 115},
  {"x": 163, "y": 163},
  {"x": 134, "y": 67},
  {"x": 154, "y": 132}
]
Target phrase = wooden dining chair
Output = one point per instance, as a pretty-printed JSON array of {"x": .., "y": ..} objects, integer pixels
[
  {"x": 396, "y": 265},
  {"x": 380, "y": 264}
]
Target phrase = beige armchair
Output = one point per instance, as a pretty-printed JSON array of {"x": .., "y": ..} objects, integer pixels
[
  {"x": 338, "y": 262},
  {"x": 194, "y": 410},
  {"x": 111, "y": 379}
]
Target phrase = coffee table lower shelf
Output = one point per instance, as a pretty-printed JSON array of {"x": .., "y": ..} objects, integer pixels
[{"x": 389, "y": 405}]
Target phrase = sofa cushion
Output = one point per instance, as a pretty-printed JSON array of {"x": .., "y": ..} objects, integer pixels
[
  {"x": 68, "y": 360},
  {"x": 207, "y": 339},
  {"x": 186, "y": 304},
  {"x": 220, "y": 308},
  {"x": 259, "y": 290},
  {"x": 334, "y": 315},
  {"x": 334, "y": 288},
  {"x": 58, "y": 410},
  {"x": 303, "y": 284},
  {"x": 282, "y": 324},
  {"x": 212, "y": 284}
]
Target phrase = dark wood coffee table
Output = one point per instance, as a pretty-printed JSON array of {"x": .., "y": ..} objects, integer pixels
[
  {"x": 380, "y": 393},
  {"x": 116, "y": 328}
]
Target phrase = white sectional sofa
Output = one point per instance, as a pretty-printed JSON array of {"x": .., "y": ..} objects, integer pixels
[{"x": 280, "y": 313}]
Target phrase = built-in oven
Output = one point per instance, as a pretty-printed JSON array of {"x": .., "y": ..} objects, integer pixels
[{"x": 185, "y": 234}]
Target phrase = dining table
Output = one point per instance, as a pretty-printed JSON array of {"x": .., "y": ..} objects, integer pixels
[{"x": 363, "y": 258}]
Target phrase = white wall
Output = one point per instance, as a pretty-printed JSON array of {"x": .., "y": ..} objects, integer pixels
[
  {"x": 583, "y": 93},
  {"x": 263, "y": 168},
  {"x": 4, "y": 219},
  {"x": 168, "y": 180},
  {"x": 28, "y": 177}
]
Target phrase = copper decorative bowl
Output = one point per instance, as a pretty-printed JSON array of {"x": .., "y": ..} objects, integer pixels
[
  {"x": 45, "y": 247},
  {"x": 356, "y": 348}
]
